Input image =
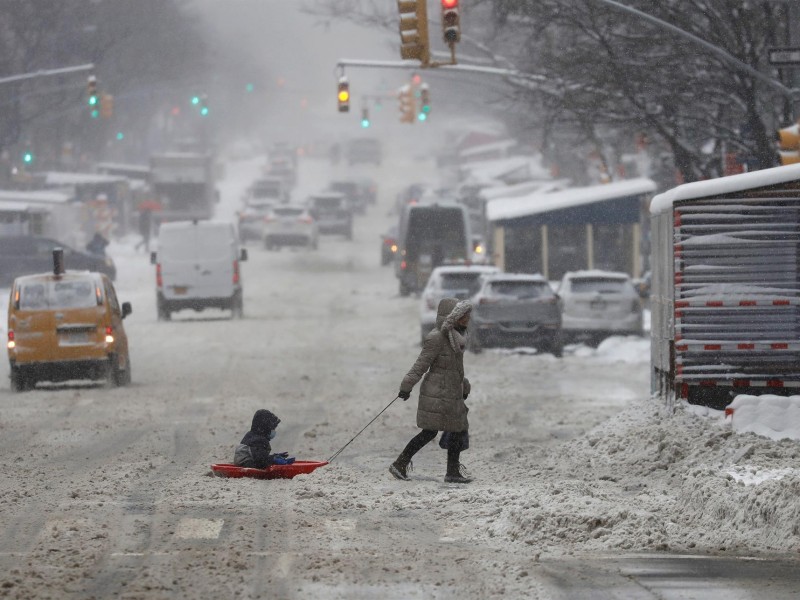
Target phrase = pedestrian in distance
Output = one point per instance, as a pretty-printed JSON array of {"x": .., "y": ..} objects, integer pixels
[
  {"x": 145, "y": 229},
  {"x": 97, "y": 245},
  {"x": 254, "y": 451},
  {"x": 443, "y": 392}
]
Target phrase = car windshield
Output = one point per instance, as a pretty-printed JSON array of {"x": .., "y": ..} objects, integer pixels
[
  {"x": 287, "y": 212},
  {"x": 461, "y": 285},
  {"x": 56, "y": 295},
  {"x": 521, "y": 290},
  {"x": 600, "y": 285},
  {"x": 327, "y": 203}
]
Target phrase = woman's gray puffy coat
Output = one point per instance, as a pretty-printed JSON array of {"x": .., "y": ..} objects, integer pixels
[{"x": 441, "y": 396}]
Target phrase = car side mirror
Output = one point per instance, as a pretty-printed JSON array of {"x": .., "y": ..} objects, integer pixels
[
  {"x": 243, "y": 256},
  {"x": 127, "y": 309},
  {"x": 152, "y": 258}
]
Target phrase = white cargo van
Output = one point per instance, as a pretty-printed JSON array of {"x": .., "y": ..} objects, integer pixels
[{"x": 197, "y": 267}]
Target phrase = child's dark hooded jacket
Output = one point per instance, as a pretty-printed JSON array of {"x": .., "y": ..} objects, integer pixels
[{"x": 254, "y": 450}]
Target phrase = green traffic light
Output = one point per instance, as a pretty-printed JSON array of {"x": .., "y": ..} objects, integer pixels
[
  {"x": 422, "y": 116},
  {"x": 95, "y": 113},
  {"x": 27, "y": 158},
  {"x": 195, "y": 100},
  {"x": 249, "y": 87},
  {"x": 364, "y": 123},
  {"x": 426, "y": 109},
  {"x": 204, "y": 111},
  {"x": 92, "y": 100},
  {"x": 120, "y": 136}
]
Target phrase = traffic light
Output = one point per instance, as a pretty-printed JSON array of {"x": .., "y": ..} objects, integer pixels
[
  {"x": 343, "y": 95},
  {"x": 405, "y": 96},
  {"x": 365, "y": 118},
  {"x": 28, "y": 157},
  {"x": 425, "y": 102},
  {"x": 195, "y": 100},
  {"x": 414, "y": 43},
  {"x": 451, "y": 22},
  {"x": 789, "y": 144},
  {"x": 203, "y": 105},
  {"x": 92, "y": 98},
  {"x": 106, "y": 106}
]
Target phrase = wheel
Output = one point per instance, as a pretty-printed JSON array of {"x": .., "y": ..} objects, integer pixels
[
  {"x": 115, "y": 376},
  {"x": 237, "y": 308},
  {"x": 127, "y": 377},
  {"x": 163, "y": 311},
  {"x": 556, "y": 346},
  {"x": 20, "y": 383}
]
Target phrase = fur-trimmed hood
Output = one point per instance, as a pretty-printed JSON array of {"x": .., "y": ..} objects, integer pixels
[{"x": 451, "y": 311}]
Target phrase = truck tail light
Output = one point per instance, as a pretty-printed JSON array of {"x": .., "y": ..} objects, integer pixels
[
  {"x": 11, "y": 343},
  {"x": 109, "y": 335},
  {"x": 236, "y": 272},
  {"x": 159, "y": 278},
  {"x": 403, "y": 265}
]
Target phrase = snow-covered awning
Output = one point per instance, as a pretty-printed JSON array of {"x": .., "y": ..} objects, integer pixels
[
  {"x": 524, "y": 189},
  {"x": 542, "y": 202},
  {"x": 37, "y": 197},
  {"x": 58, "y": 178},
  {"x": 725, "y": 185}
]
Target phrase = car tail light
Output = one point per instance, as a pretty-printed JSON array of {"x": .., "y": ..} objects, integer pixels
[
  {"x": 394, "y": 248},
  {"x": 11, "y": 343},
  {"x": 306, "y": 220},
  {"x": 109, "y": 335},
  {"x": 159, "y": 278},
  {"x": 403, "y": 265},
  {"x": 236, "y": 272}
]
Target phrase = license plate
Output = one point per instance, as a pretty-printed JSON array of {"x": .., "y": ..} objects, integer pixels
[
  {"x": 180, "y": 289},
  {"x": 74, "y": 338}
]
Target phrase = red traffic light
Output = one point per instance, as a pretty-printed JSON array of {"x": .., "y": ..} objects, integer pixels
[{"x": 449, "y": 3}]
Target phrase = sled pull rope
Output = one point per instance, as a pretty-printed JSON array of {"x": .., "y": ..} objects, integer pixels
[{"x": 362, "y": 431}]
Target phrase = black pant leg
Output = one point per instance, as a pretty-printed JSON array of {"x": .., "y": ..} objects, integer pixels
[{"x": 417, "y": 443}]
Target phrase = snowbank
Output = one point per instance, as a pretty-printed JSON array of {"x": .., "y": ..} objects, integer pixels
[{"x": 774, "y": 417}]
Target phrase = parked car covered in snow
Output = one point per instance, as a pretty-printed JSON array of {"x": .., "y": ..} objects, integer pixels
[
  {"x": 597, "y": 304},
  {"x": 457, "y": 281},
  {"x": 516, "y": 310}
]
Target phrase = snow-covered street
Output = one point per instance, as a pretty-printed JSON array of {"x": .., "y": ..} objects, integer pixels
[{"x": 107, "y": 493}]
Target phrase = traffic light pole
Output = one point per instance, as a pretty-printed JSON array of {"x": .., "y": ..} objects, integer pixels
[{"x": 46, "y": 73}]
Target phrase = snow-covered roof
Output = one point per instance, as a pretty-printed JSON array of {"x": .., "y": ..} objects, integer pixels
[
  {"x": 725, "y": 185},
  {"x": 542, "y": 202},
  {"x": 596, "y": 274},
  {"x": 38, "y": 197},
  {"x": 499, "y": 146},
  {"x": 465, "y": 269},
  {"x": 517, "y": 277},
  {"x": 524, "y": 189},
  {"x": 488, "y": 170},
  {"x": 63, "y": 178}
]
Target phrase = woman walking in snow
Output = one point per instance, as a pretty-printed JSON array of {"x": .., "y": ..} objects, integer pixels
[{"x": 443, "y": 391}]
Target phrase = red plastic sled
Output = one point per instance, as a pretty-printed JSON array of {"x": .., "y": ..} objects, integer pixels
[{"x": 298, "y": 467}]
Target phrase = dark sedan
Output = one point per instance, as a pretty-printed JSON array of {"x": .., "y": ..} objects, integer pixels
[{"x": 28, "y": 255}]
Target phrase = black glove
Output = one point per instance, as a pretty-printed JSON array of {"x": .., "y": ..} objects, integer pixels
[
  {"x": 404, "y": 395},
  {"x": 466, "y": 396}
]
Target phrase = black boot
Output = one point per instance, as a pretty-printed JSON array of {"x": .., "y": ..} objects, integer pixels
[
  {"x": 459, "y": 476},
  {"x": 400, "y": 467},
  {"x": 456, "y": 473}
]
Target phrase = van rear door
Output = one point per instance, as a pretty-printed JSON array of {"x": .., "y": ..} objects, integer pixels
[{"x": 216, "y": 254}]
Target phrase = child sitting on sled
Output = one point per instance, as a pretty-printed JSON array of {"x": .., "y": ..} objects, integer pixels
[{"x": 254, "y": 449}]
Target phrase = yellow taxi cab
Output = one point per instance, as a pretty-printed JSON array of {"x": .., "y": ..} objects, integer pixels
[{"x": 66, "y": 325}]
